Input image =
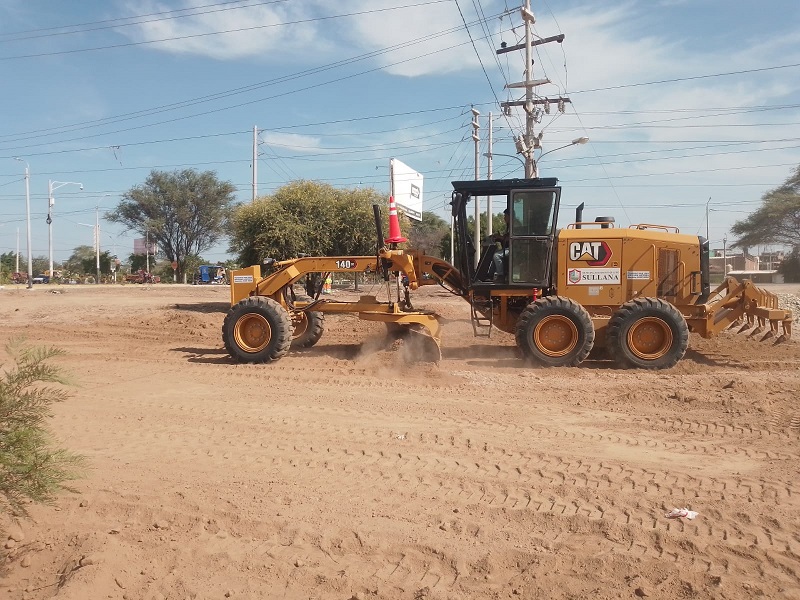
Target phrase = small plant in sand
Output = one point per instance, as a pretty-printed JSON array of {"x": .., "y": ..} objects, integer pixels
[{"x": 31, "y": 466}]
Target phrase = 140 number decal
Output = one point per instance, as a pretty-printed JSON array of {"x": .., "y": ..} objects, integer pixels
[{"x": 346, "y": 264}]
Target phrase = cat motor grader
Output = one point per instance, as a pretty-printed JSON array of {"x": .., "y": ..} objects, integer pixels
[{"x": 637, "y": 292}]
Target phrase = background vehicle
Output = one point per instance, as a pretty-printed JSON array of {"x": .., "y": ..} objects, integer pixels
[
  {"x": 636, "y": 291},
  {"x": 142, "y": 276},
  {"x": 210, "y": 274}
]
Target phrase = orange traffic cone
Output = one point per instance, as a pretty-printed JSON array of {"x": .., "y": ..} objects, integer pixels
[{"x": 395, "y": 237}]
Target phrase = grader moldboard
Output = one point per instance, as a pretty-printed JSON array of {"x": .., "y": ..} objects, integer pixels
[{"x": 636, "y": 291}]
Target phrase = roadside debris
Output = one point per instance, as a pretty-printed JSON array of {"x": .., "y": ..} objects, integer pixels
[{"x": 680, "y": 513}]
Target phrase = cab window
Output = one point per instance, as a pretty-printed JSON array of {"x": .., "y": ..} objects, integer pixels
[{"x": 532, "y": 213}]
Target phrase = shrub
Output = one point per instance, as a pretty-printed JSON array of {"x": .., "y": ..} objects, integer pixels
[{"x": 31, "y": 467}]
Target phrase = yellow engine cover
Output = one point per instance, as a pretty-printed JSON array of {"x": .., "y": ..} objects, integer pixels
[{"x": 609, "y": 266}]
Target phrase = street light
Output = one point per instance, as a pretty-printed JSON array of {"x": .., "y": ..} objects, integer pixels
[
  {"x": 575, "y": 142},
  {"x": 28, "y": 217},
  {"x": 487, "y": 154},
  {"x": 52, "y": 186}
]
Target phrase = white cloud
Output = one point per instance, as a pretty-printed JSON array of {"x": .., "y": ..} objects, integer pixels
[
  {"x": 262, "y": 32},
  {"x": 292, "y": 141},
  {"x": 253, "y": 31}
]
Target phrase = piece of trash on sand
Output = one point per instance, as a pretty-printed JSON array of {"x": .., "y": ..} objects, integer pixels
[{"x": 680, "y": 513}]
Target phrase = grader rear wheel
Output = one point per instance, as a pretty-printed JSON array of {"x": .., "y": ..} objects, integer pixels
[
  {"x": 308, "y": 329},
  {"x": 257, "y": 330},
  {"x": 308, "y": 326},
  {"x": 648, "y": 333},
  {"x": 555, "y": 331}
]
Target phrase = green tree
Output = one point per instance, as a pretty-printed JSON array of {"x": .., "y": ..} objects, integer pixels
[
  {"x": 790, "y": 266},
  {"x": 8, "y": 265},
  {"x": 82, "y": 260},
  {"x": 186, "y": 212},
  {"x": 31, "y": 467},
  {"x": 777, "y": 220},
  {"x": 427, "y": 235},
  {"x": 307, "y": 217},
  {"x": 40, "y": 264}
]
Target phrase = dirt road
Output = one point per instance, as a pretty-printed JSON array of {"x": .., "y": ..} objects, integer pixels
[{"x": 342, "y": 472}]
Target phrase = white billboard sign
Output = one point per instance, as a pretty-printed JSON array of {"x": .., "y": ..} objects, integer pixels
[
  {"x": 406, "y": 186},
  {"x": 140, "y": 247}
]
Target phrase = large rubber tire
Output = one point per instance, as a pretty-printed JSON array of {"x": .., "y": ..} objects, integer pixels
[
  {"x": 308, "y": 329},
  {"x": 647, "y": 333},
  {"x": 257, "y": 330},
  {"x": 555, "y": 331},
  {"x": 308, "y": 326}
]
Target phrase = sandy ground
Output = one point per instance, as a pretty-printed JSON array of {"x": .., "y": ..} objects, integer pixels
[{"x": 342, "y": 472}]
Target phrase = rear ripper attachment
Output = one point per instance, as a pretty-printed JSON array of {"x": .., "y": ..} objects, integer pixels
[{"x": 745, "y": 307}]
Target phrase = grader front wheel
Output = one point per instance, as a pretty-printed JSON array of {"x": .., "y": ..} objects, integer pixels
[
  {"x": 257, "y": 330},
  {"x": 555, "y": 331}
]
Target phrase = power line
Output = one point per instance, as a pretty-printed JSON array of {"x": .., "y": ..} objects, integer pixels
[
  {"x": 118, "y": 22},
  {"x": 692, "y": 78},
  {"x": 212, "y": 33}
]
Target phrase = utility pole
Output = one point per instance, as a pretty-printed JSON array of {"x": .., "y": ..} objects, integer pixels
[
  {"x": 724, "y": 256},
  {"x": 52, "y": 186},
  {"x": 476, "y": 138},
  {"x": 97, "y": 240},
  {"x": 255, "y": 162},
  {"x": 489, "y": 176},
  {"x": 17, "y": 269},
  {"x": 147, "y": 249},
  {"x": 528, "y": 143},
  {"x": 28, "y": 217}
]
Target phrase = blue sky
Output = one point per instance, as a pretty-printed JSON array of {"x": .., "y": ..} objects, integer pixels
[{"x": 682, "y": 101}]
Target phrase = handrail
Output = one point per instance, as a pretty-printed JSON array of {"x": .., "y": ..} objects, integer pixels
[
  {"x": 667, "y": 228},
  {"x": 602, "y": 224}
]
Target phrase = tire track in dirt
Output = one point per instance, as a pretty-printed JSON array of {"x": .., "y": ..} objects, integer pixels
[{"x": 455, "y": 468}]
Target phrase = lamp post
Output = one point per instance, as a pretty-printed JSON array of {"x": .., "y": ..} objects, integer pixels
[
  {"x": 52, "y": 186},
  {"x": 28, "y": 217},
  {"x": 575, "y": 142},
  {"x": 506, "y": 155}
]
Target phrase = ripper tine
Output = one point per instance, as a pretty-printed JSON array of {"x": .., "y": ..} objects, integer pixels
[
  {"x": 768, "y": 335},
  {"x": 747, "y": 325}
]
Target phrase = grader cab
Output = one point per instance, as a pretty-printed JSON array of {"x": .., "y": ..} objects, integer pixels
[{"x": 636, "y": 291}]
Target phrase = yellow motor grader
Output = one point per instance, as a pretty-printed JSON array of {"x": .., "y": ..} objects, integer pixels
[{"x": 635, "y": 291}]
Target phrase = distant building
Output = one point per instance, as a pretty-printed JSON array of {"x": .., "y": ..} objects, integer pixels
[
  {"x": 744, "y": 265},
  {"x": 758, "y": 276},
  {"x": 734, "y": 262},
  {"x": 771, "y": 260}
]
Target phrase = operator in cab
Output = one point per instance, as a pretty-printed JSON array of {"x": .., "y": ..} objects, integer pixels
[{"x": 500, "y": 258}]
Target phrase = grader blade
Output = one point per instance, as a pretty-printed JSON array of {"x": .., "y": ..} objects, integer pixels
[
  {"x": 417, "y": 344},
  {"x": 422, "y": 347},
  {"x": 419, "y": 330}
]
